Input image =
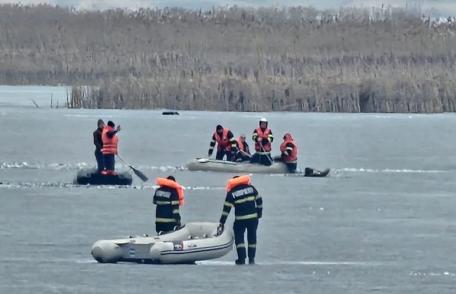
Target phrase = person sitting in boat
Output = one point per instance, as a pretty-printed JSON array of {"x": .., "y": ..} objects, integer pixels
[
  {"x": 98, "y": 142},
  {"x": 262, "y": 136},
  {"x": 248, "y": 209},
  {"x": 110, "y": 143},
  {"x": 226, "y": 143},
  {"x": 243, "y": 152},
  {"x": 289, "y": 152},
  {"x": 168, "y": 197}
]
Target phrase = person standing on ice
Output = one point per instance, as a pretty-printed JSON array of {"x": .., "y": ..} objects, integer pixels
[
  {"x": 168, "y": 197},
  {"x": 248, "y": 209},
  {"x": 98, "y": 142},
  {"x": 110, "y": 143}
]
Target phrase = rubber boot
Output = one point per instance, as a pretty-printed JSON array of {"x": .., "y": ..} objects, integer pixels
[
  {"x": 239, "y": 261},
  {"x": 241, "y": 255}
]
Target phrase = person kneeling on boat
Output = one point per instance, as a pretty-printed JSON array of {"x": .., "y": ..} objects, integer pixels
[
  {"x": 110, "y": 143},
  {"x": 289, "y": 152},
  {"x": 243, "y": 152},
  {"x": 168, "y": 197},
  {"x": 262, "y": 136},
  {"x": 226, "y": 143},
  {"x": 98, "y": 142},
  {"x": 248, "y": 208}
]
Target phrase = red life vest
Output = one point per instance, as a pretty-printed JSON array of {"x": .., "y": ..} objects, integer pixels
[
  {"x": 223, "y": 142},
  {"x": 293, "y": 157},
  {"x": 241, "y": 180},
  {"x": 174, "y": 185},
  {"x": 109, "y": 144},
  {"x": 263, "y": 135}
]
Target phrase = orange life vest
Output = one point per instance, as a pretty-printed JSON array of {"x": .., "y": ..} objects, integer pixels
[
  {"x": 174, "y": 185},
  {"x": 241, "y": 145},
  {"x": 223, "y": 142},
  {"x": 263, "y": 135},
  {"x": 293, "y": 157},
  {"x": 109, "y": 144},
  {"x": 241, "y": 180}
]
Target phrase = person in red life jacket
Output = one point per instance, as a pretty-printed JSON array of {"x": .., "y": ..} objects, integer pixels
[
  {"x": 289, "y": 152},
  {"x": 262, "y": 136},
  {"x": 168, "y": 197},
  {"x": 98, "y": 142},
  {"x": 243, "y": 153},
  {"x": 226, "y": 143},
  {"x": 110, "y": 143},
  {"x": 248, "y": 209}
]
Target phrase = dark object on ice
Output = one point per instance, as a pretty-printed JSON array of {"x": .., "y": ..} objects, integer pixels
[
  {"x": 92, "y": 177},
  {"x": 310, "y": 172},
  {"x": 170, "y": 113}
]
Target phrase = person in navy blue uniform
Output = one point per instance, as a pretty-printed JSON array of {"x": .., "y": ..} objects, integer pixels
[{"x": 248, "y": 209}]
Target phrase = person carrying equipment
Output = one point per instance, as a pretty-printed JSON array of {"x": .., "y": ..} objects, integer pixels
[
  {"x": 289, "y": 152},
  {"x": 226, "y": 143},
  {"x": 110, "y": 143},
  {"x": 248, "y": 209},
  {"x": 262, "y": 136},
  {"x": 243, "y": 153},
  {"x": 98, "y": 142},
  {"x": 168, "y": 197}
]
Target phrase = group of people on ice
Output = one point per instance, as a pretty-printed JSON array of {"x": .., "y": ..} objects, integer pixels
[
  {"x": 241, "y": 195},
  {"x": 237, "y": 149}
]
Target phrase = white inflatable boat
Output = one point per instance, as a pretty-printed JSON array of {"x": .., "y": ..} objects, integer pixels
[
  {"x": 205, "y": 164},
  {"x": 193, "y": 242},
  {"x": 278, "y": 167}
]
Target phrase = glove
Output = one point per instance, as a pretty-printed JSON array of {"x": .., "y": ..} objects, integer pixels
[
  {"x": 209, "y": 153},
  {"x": 259, "y": 213},
  {"x": 258, "y": 139},
  {"x": 220, "y": 229}
]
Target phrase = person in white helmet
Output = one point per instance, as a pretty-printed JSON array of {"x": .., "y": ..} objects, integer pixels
[{"x": 262, "y": 136}]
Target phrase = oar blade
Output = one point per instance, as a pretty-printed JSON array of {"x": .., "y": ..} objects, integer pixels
[{"x": 140, "y": 174}]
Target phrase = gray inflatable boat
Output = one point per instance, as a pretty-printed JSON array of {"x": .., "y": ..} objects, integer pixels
[
  {"x": 193, "y": 242},
  {"x": 278, "y": 167},
  {"x": 205, "y": 164}
]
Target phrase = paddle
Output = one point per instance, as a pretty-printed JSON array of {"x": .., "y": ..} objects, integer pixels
[
  {"x": 262, "y": 149},
  {"x": 140, "y": 175}
]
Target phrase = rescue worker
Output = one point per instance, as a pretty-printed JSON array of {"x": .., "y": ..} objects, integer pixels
[
  {"x": 226, "y": 143},
  {"x": 110, "y": 143},
  {"x": 289, "y": 152},
  {"x": 98, "y": 142},
  {"x": 262, "y": 136},
  {"x": 243, "y": 151},
  {"x": 248, "y": 208},
  {"x": 168, "y": 197}
]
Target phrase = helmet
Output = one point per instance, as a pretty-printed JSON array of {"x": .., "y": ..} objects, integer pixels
[{"x": 263, "y": 119}]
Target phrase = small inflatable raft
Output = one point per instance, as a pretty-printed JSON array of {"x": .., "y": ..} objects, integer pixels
[
  {"x": 92, "y": 177},
  {"x": 278, "y": 167},
  {"x": 193, "y": 242},
  {"x": 204, "y": 164}
]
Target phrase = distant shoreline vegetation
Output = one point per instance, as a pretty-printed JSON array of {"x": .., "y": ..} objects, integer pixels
[{"x": 234, "y": 59}]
